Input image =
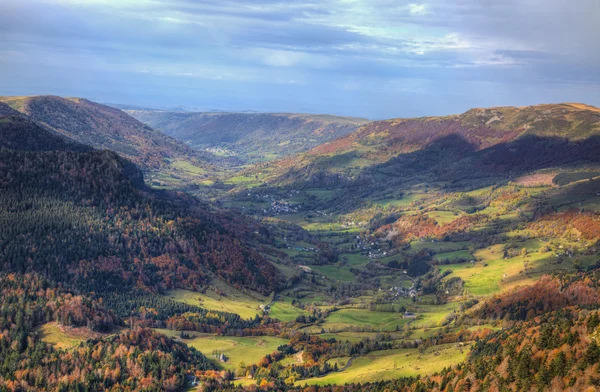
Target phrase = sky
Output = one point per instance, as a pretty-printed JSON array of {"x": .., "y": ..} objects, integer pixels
[{"x": 364, "y": 58}]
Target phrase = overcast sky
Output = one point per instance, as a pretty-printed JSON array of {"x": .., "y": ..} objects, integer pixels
[{"x": 369, "y": 58}]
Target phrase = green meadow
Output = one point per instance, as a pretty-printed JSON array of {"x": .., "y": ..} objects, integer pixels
[
  {"x": 239, "y": 350},
  {"x": 390, "y": 364}
]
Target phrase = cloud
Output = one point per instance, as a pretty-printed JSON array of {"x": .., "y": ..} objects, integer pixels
[
  {"x": 417, "y": 9},
  {"x": 262, "y": 50}
]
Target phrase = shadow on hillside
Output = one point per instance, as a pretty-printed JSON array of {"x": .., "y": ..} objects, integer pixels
[
  {"x": 453, "y": 160},
  {"x": 457, "y": 164}
]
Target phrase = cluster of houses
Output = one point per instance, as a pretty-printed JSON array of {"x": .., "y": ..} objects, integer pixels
[
  {"x": 403, "y": 292},
  {"x": 364, "y": 243},
  {"x": 349, "y": 224},
  {"x": 220, "y": 151},
  {"x": 303, "y": 249},
  {"x": 281, "y": 207},
  {"x": 376, "y": 254},
  {"x": 300, "y": 248},
  {"x": 323, "y": 213}
]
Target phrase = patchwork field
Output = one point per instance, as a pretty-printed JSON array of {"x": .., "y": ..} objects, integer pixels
[{"x": 348, "y": 319}]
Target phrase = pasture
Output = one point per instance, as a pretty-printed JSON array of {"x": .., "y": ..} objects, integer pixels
[
  {"x": 390, "y": 364},
  {"x": 226, "y": 299},
  {"x": 63, "y": 338},
  {"x": 247, "y": 350}
]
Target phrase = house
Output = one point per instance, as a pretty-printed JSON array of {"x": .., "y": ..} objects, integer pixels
[
  {"x": 306, "y": 269},
  {"x": 223, "y": 358},
  {"x": 192, "y": 380},
  {"x": 409, "y": 315}
]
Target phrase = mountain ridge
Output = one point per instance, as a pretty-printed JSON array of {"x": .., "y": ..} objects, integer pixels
[
  {"x": 105, "y": 127},
  {"x": 92, "y": 200},
  {"x": 257, "y": 136},
  {"x": 380, "y": 141}
]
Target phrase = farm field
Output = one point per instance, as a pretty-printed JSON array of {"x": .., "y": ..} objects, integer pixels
[
  {"x": 232, "y": 302},
  {"x": 187, "y": 167},
  {"x": 342, "y": 274},
  {"x": 283, "y": 310},
  {"x": 481, "y": 279},
  {"x": 239, "y": 350},
  {"x": 347, "y": 319},
  {"x": 389, "y": 364},
  {"x": 443, "y": 217}
]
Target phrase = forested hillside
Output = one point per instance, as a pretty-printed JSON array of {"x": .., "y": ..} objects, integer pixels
[
  {"x": 104, "y": 127},
  {"x": 443, "y": 254},
  {"x": 85, "y": 218},
  {"x": 249, "y": 136},
  {"x": 126, "y": 360}
]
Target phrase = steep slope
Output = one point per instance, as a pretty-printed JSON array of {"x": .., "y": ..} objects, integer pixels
[
  {"x": 19, "y": 133},
  {"x": 104, "y": 127},
  {"x": 497, "y": 141},
  {"x": 251, "y": 136},
  {"x": 85, "y": 218}
]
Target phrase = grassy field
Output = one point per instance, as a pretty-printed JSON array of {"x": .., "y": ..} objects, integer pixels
[
  {"x": 322, "y": 194},
  {"x": 355, "y": 260},
  {"x": 244, "y": 304},
  {"x": 433, "y": 315},
  {"x": 438, "y": 247},
  {"x": 283, "y": 310},
  {"x": 453, "y": 255},
  {"x": 248, "y": 350},
  {"x": 233, "y": 301},
  {"x": 403, "y": 202},
  {"x": 353, "y": 337},
  {"x": 500, "y": 274},
  {"x": 237, "y": 180},
  {"x": 390, "y": 364},
  {"x": 362, "y": 318},
  {"x": 335, "y": 272},
  {"x": 187, "y": 167},
  {"x": 443, "y": 217},
  {"x": 60, "y": 337}
]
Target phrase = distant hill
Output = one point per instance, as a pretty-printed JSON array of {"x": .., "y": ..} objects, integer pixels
[
  {"x": 104, "y": 127},
  {"x": 250, "y": 136},
  {"x": 84, "y": 218},
  {"x": 479, "y": 142}
]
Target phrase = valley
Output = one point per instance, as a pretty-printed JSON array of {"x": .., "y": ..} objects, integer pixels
[
  {"x": 299, "y": 196},
  {"x": 395, "y": 254}
]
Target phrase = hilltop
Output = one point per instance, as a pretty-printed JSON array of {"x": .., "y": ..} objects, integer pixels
[
  {"x": 249, "y": 136},
  {"x": 104, "y": 127},
  {"x": 503, "y": 141}
]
